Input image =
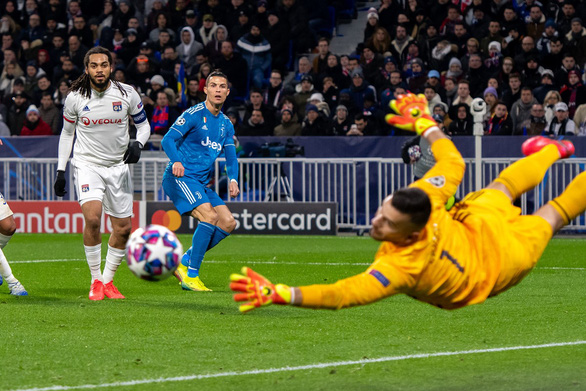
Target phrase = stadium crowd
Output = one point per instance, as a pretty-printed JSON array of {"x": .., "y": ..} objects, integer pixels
[{"x": 524, "y": 58}]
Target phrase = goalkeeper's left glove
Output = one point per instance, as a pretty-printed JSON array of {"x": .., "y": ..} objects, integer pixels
[
  {"x": 413, "y": 113},
  {"x": 257, "y": 290},
  {"x": 133, "y": 152}
]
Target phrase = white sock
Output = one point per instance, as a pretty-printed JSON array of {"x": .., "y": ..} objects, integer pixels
[
  {"x": 93, "y": 255},
  {"x": 113, "y": 260},
  {"x": 5, "y": 269},
  {"x": 4, "y": 240}
]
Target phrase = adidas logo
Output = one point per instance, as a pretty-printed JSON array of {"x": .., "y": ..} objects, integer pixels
[
  {"x": 204, "y": 127},
  {"x": 86, "y": 109}
]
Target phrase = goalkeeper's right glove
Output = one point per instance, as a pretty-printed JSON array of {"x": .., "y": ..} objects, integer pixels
[
  {"x": 258, "y": 291},
  {"x": 413, "y": 113},
  {"x": 59, "y": 185}
]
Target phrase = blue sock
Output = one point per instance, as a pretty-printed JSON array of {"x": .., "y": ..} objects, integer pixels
[
  {"x": 199, "y": 244},
  {"x": 186, "y": 257},
  {"x": 217, "y": 237}
]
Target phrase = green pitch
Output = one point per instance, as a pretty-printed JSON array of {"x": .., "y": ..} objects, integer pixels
[{"x": 163, "y": 338}]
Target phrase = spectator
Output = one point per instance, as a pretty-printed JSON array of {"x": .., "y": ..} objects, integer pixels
[
  {"x": 188, "y": 48},
  {"x": 477, "y": 75},
  {"x": 34, "y": 125},
  {"x": 192, "y": 92},
  {"x": 61, "y": 93},
  {"x": 77, "y": 51},
  {"x": 320, "y": 61},
  {"x": 573, "y": 92},
  {"x": 545, "y": 86},
  {"x": 163, "y": 24},
  {"x": 521, "y": 109},
  {"x": 561, "y": 124},
  {"x": 563, "y": 70},
  {"x": 256, "y": 50},
  {"x": 315, "y": 124},
  {"x": 207, "y": 30},
  {"x": 10, "y": 73},
  {"x": 535, "y": 124},
  {"x": 513, "y": 93},
  {"x": 551, "y": 99},
  {"x": 462, "y": 123},
  {"x": 234, "y": 116},
  {"x": 380, "y": 41},
  {"x": 463, "y": 93},
  {"x": 360, "y": 127},
  {"x": 333, "y": 69},
  {"x": 431, "y": 95},
  {"x": 295, "y": 17},
  {"x": 82, "y": 30},
  {"x": 372, "y": 22},
  {"x": 360, "y": 88},
  {"x": 50, "y": 113},
  {"x": 256, "y": 125},
  {"x": 341, "y": 122},
  {"x": 491, "y": 98},
  {"x": 214, "y": 47},
  {"x": 451, "y": 87},
  {"x": 257, "y": 103},
  {"x": 580, "y": 120},
  {"x": 494, "y": 35},
  {"x": 242, "y": 27},
  {"x": 303, "y": 69},
  {"x": 4, "y": 130},
  {"x": 17, "y": 113},
  {"x": 235, "y": 68},
  {"x": 536, "y": 22},
  {"x": 163, "y": 116},
  {"x": 543, "y": 44},
  {"x": 553, "y": 58},
  {"x": 317, "y": 99},
  {"x": 278, "y": 36},
  {"x": 43, "y": 86},
  {"x": 416, "y": 75},
  {"x": 273, "y": 93},
  {"x": 500, "y": 123},
  {"x": 130, "y": 46},
  {"x": 495, "y": 57},
  {"x": 305, "y": 90},
  {"x": 401, "y": 41},
  {"x": 330, "y": 93},
  {"x": 576, "y": 40},
  {"x": 288, "y": 126}
]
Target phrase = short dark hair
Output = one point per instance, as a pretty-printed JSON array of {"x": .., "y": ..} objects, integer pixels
[
  {"x": 216, "y": 73},
  {"x": 414, "y": 202}
]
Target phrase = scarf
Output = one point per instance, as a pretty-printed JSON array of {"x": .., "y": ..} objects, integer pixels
[
  {"x": 160, "y": 119},
  {"x": 495, "y": 123}
]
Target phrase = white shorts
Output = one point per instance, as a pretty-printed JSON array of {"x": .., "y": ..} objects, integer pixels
[
  {"x": 4, "y": 208},
  {"x": 112, "y": 186}
]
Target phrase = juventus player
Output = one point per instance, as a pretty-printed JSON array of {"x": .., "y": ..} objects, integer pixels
[
  {"x": 97, "y": 110},
  {"x": 193, "y": 143}
]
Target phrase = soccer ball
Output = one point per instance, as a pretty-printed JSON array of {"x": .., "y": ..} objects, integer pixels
[
  {"x": 153, "y": 253},
  {"x": 414, "y": 153}
]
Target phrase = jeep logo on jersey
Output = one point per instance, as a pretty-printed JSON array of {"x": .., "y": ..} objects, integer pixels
[
  {"x": 87, "y": 122},
  {"x": 211, "y": 144},
  {"x": 117, "y": 106}
]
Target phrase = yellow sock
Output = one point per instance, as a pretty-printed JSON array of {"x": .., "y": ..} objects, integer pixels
[
  {"x": 525, "y": 174},
  {"x": 572, "y": 202}
]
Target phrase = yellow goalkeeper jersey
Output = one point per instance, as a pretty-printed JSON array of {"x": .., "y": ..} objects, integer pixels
[{"x": 480, "y": 248}]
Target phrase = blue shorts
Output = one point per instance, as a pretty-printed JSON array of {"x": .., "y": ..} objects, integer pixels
[{"x": 187, "y": 194}]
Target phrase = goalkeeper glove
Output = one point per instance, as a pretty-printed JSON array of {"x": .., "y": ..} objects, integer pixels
[
  {"x": 257, "y": 290},
  {"x": 133, "y": 152},
  {"x": 413, "y": 113},
  {"x": 59, "y": 185}
]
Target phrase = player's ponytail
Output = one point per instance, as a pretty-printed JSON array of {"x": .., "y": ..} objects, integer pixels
[{"x": 83, "y": 83}]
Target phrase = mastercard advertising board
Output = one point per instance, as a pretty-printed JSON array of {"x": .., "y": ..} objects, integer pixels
[{"x": 258, "y": 218}]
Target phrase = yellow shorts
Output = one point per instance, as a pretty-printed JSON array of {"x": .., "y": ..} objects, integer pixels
[{"x": 519, "y": 240}]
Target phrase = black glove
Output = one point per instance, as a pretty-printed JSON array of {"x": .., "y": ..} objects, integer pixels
[
  {"x": 133, "y": 152},
  {"x": 59, "y": 185}
]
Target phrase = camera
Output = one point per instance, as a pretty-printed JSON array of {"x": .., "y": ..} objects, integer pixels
[
  {"x": 292, "y": 149},
  {"x": 478, "y": 110}
]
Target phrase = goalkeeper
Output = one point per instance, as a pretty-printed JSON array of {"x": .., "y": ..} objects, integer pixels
[{"x": 449, "y": 259}]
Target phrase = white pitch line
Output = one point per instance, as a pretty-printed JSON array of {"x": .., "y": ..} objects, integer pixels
[
  {"x": 301, "y": 367},
  {"x": 274, "y": 263}
]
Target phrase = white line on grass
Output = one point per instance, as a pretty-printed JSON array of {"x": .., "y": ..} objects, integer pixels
[
  {"x": 275, "y": 263},
  {"x": 301, "y": 367}
]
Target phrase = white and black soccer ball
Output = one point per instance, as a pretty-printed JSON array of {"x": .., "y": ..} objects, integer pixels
[
  {"x": 153, "y": 253},
  {"x": 414, "y": 153}
]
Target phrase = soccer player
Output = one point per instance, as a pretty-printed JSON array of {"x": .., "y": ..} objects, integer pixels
[
  {"x": 97, "y": 111},
  {"x": 192, "y": 144},
  {"x": 7, "y": 229},
  {"x": 449, "y": 259}
]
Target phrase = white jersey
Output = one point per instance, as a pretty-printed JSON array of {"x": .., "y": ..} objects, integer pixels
[{"x": 102, "y": 123}]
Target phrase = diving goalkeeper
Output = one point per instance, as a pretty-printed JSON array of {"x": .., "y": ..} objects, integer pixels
[{"x": 450, "y": 259}]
